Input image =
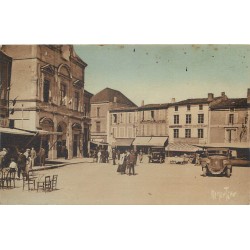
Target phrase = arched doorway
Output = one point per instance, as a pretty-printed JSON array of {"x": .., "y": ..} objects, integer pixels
[{"x": 61, "y": 140}]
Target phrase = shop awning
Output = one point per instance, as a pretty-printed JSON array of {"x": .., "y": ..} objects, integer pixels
[
  {"x": 14, "y": 131},
  {"x": 225, "y": 145},
  {"x": 142, "y": 140},
  {"x": 100, "y": 143},
  {"x": 181, "y": 147},
  {"x": 158, "y": 141},
  {"x": 123, "y": 142}
]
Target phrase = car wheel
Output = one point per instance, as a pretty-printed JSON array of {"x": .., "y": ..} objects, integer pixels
[
  {"x": 228, "y": 172},
  {"x": 204, "y": 171}
]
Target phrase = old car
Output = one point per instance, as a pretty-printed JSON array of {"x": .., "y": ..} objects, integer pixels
[
  {"x": 157, "y": 155},
  {"x": 217, "y": 162}
]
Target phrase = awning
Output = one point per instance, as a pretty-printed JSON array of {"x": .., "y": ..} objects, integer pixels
[
  {"x": 142, "y": 140},
  {"x": 100, "y": 143},
  {"x": 41, "y": 132},
  {"x": 158, "y": 141},
  {"x": 181, "y": 147},
  {"x": 225, "y": 145},
  {"x": 14, "y": 131},
  {"x": 123, "y": 142}
]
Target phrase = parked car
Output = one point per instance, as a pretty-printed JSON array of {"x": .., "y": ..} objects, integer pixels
[
  {"x": 157, "y": 155},
  {"x": 217, "y": 162}
]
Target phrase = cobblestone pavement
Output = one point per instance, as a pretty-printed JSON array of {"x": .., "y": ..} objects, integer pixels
[{"x": 92, "y": 183}]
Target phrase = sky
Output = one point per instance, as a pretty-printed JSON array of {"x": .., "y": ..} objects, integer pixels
[{"x": 158, "y": 73}]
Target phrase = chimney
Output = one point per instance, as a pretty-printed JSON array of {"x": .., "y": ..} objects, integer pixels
[
  {"x": 142, "y": 103},
  {"x": 222, "y": 94},
  {"x": 173, "y": 100},
  {"x": 115, "y": 99},
  {"x": 210, "y": 97},
  {"x": 248, "y": 96}
]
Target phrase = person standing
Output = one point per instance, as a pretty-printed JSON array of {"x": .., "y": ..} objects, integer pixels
[
  {"x": 131, "y": 159},
  {"x": 99, "y": 154},
  {"x": 66, "y": 153},
  {"x": 107, "y": 155},
  {"x": 21, "y": 163},
  {"x": 140, "y": 156},
  {"x": 42, "y": 156},
  {"x": 32, "y": 157},
  {"x": 114, "y": 156}
]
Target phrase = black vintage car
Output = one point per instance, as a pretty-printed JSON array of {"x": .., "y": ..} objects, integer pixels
[
  {"x": 157, "y": 155},
  {"x": 217, "y": 162}
]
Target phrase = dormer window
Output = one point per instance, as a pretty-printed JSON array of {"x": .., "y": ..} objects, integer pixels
[{"x": 176, "y": 108}]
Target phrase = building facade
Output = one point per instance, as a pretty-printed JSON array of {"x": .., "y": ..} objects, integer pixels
[
  {"x": 122, "y": 127},
  {"x": 229, "y": 121},
  {"x": 47, "y": 85},
  {"x": 101, "y": 104},
  {"x": 5, "y": 76}
]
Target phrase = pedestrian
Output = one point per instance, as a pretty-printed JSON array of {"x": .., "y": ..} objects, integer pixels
[
  {"x": 3, "y": 158},
  {"x": 66, "y": 153},
  {"x": 42, "y": 156},
  {"x": 32, "y": 157},
  {"x": 140, "y": 156},
  {"x": 21, "y": 163},
  {"x": 13, "y": 166},
  {"x": 107, "y": 155},
  {"x": 131, "y": 162},
  {"x": 114, "y": 156},
  {"x": 99, "y": 154},
  {"x": 118, "y": 154}
]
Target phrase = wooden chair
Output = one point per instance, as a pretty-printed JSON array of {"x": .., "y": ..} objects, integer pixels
[
  {"x": 45, "y": 185},
  {"x": 28, "y": 180},
  {"x": 2, "y": 179},
  {"x": 54, "y": 182},
  {"x": 11, "y": 178}
]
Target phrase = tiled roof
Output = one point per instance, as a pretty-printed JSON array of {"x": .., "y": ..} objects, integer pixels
[
  {"x": 231, "y": 103},
  {"x": 120, "y": 109},
  {"x": 107, "y": 95},
  {"x": 195, "y": 101},
  {"x": 154, "y": 106}
]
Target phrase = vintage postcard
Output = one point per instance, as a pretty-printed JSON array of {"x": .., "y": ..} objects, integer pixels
[{"x": 125, "y": 124}]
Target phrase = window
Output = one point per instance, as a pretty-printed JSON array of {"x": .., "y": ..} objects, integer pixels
[
  {"x": 114, "y": 132},
  {"x": 152, "y": 115},
  {"x": 77, "y": 98},
  {"x": 46, "y": 90},
  {"x": 200, "y": 118},
  {"x": 200, "y": 107},
  {"x": 114, "y": 118},
  {"x": 121, "y": 118},
  {"x": 176, "y": 119},
  {"x": 188, "y": 107},
  {"x": 231, "y": 118},
  {"x": 176, "y": 133},
  {"x": 200, "y": 133},
  {"x": 188, "y": 133},
  {"x": 176, "y": 108},
  {"x": 188, "y": 119},
  {"x": 63, "y": 94},
  {"x": 98, "y": 126},
  {"x": 98, "y": 111},
  {"x": 129, "y": 118}
]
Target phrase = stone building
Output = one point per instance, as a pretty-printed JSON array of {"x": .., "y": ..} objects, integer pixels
[
  {"x": 101, "y": 103},
  {"x": 122, "y": 127},
  {"x": 229, "y": 122},
  {"x": 189, "y": 122},
  {"x": 152, "y": 126},
  {"x": 5, "y": 76},
  {"x": 47, "y": 85}
]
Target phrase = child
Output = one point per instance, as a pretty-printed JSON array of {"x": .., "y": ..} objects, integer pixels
[{"x": 13, "y": 165}]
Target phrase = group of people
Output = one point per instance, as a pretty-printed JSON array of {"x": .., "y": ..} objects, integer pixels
[
  {"x": 20, "y": 160},
  {"x": 101, "y": 156},
  {"x": 127, "y": 162}
]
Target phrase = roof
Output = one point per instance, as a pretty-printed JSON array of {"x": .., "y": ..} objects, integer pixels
[
  {"x": 108, "y": 95},
  {"x": 154, "y": 106},
  {"x": 123, "y": 109},
  {"x": 195, "y": 101},
  {"x": 231, "y": 103},
  {"x": 87, "y": 93},
  {"x": 235, "y": 145}
]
